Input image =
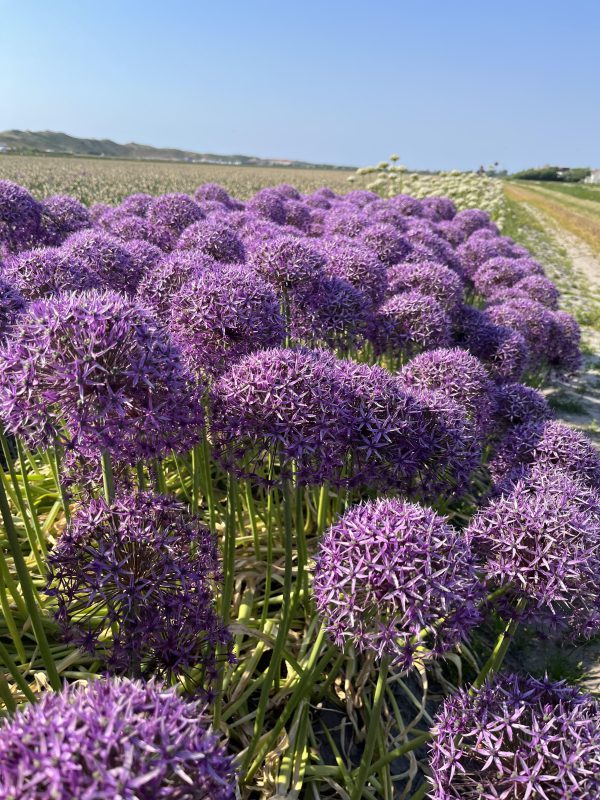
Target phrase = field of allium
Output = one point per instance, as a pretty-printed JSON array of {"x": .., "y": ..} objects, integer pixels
[{"x": 279, "y": 491}]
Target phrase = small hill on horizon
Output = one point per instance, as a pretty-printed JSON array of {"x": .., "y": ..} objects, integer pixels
[{"x": 56, "y": 143}]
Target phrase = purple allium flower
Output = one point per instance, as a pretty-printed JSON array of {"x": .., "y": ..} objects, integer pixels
[
  {"x": 451, "y": 232},
  {"x": 457, "y": 374},
  {"x": 173, "y": 211},
  {"x": 410, "y": 322},
  {"x": 62, "y": 215},
  {"x": 145, "y": 255},
  {"x": 160, "y": 284},
  {"x": 331, "y": 313},
  {"x": 424, "y": 240},
  {"x": 105, "y": 257},
  {"x": 20, "y": 217},
  {"x": 215, "y": 238},
  {"x": 518, "y": 404},
  {"x": 288, "y": 191},
  {"x": 269, "y": 204},
  {"x": 356, "y": 263},
  {"x": 287, "y": 263},
  {"x": 480, "y": 248},
  {"x": 317, "y": 201},
  {"x": 134, "y": 583},
  {"x": 472, "y": 219},
  {"x": 541, "y": 539},
  {"x": 298, "y": 215},
  {"x": 213, "y": 192},
  {"x": 532, "y": 320},
  {"x": 499, "y": 272},
  {"x": 387, "y": 242},
  {"x": 429, "y": 278},
  {"x": 222, "y": 315},
  {"x": 44, "y": 271},
  {"x": 395, "y": 579},
  {"x": 127, "y": 226},
  {"x": 540, "y": 288},
  {"x": 504, "y": 352},
  {"x": 381, "y": 211},
  {"x": 110, "y": 739},
  {"x": 564, "y": 354},
  {"x": 438, "y": 208},
  {"x": 137, "y": 204},
  {"x": 361, "y": 197},
  {"x": 518, "y": 738},
  {"x": 406, "y": 205},
  {"x": 12, "y": 304},
  {"x": 550, "y": 445},
  {"x": 283, "y": 403},
  {"x": 343, "y": 220},
  {"x": 92, "y": 371}
]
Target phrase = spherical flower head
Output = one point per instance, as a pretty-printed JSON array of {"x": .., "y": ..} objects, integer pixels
[
  {"x": 540, "y": 288},
  {"x": 409, "y": 323},
  {"x": 438, "y": 208},
  {"x": 381, "y": 211},
  {"x": 519, "y": 737},
  {"x": 395, "y": 579},
  {"x": 114, "y": 738},
  {"x": 387, "y": 242},
  {"x": 517, "y": 404},
  {"x": 406, "y": 205},
  {"x": 127, "y": 226},
  {"x": 298, "y": 214},
  {"x": 532, "y": 320},
  {"x": 105, "y": 257},
  {"x": 44, "y": 271},
  {"x": 62, "y": 215},
  {"x": 285, "y": 404},
  {"x": 361, "y": 197},
  {"x": 222, "y": 315},
  {"x": 287, "y": 262},
  {"x": 215, "y": 238},
  {"x": 93, "y": 372},
  {"x": 288, "y": 191},
  {"x": 20, "y": 217},
  {"x": 427, "y": 245},
  {"x": 357, "y": 264},
  {"x": 451, "y": 232},
  {"x": 345, "y": 220},
  {"x": 481, "y": 248},
  {"x": 471, "y": 220},
  {"x": 458, "y": 375},
  {"x": 175, "y": 212},
  {"x": 12, "y": 304},
  {"x": 150, "y": 568},
  {"x": 497, "y": 273},
  {"x": 269, "y": 204},
  {"x": 144, "y": 254},
  {"x": 503, "y": 352},
  {"x": 213, "y": 192},
  {"x": 161, "y": 283},
  {"x": 137, "y": 204},
  {"x": 331, "y": 313},
  {"x": 564, "y": 354},
  {"x": 541, "y": 540},
  {"x": 550, "y": 445},
  {"x": 97, "y": 211},
  {"x": 429, "y": 278}
]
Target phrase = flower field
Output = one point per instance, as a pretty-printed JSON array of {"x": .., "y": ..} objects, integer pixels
[{"x": 278, "y": 490}]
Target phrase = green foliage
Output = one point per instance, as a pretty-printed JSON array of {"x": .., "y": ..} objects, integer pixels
[{"x": 549, "y": 173}]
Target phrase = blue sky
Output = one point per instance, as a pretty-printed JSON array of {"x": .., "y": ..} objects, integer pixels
[{"x": 445, "y": 84}]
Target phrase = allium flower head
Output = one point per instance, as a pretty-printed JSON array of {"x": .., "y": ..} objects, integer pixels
[
  {"x": 532, "y": 320},
  {"x": 112, "y": 739},
  {"x": 287, "y": 262},
  {"x": 481, "y": 248},
  {"x": 161, "y": 283},
  {"x": 497, "y": 273},
  {"x": 62, "y": 215},
  {"x": 174, "y": 211},
  {"x": 344, "y": 220},
  {"x": 406, "y": 205},
  {"x": 395, "y": 579},
  {"x": 214, "y": 192},
  {"x": 518, "y": 738},
  {"x": 381, "y": 211},
  {"x": 451, "y": 232},
  {"x": 361, "y": 197},
  {"x": 222, "y": 315},
  {"x": 387, "y": 242},
  {"x": 540, "y": 288},
  {"x": 140, "y": 572},
  {"x": 44, "y": 271},
  {"x": 137, "y": 204},
  {"x": 298, "y": 214},
  {"x": 91, "y": 370},
  {"x": 288, "y": 191},
  {"x": 517, "y": 404},
  {"x": 105, "y": 257},
  {"x": 438, "y": 208},
  {"x": 215, "y": 238},
  {"x": 268, "y": 203},
  {"x": 12, "y": 304},
  {"x": 429, "y": 278},
  {"x": 503, "y": 352},
  {"x": 20, "y": 217},
  {"x": 550, "y": 445},
  {"x": 409, "y": 323},
  {"x": 144, "y": 254},
  {"x": 541, "y": 539},
  {"x": 357, "y": 264},
  {"x": 470, "y": 220},
  {"x": 127, "y": 226},
  {"x": 285, "y": 403},
  {"x": 98, "y": 210},
  {"x": 457, "y": 374},
  {"x": 564, "y": 354},
  {"x": 427, "y": 245}
]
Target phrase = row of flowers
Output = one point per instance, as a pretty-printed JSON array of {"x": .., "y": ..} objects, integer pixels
[{"x": 342, "y": 377}]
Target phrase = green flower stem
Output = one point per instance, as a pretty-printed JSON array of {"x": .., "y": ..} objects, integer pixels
[
  {"x": 34, "y": 517},
  {"x": 196, "y": 477},
  {"x": 251, "y": 509},
  {"x": 16, "y": 674},
  {"x": 11, "y": 624},
  {"x": 413, "y": 744},
  {"x": 229, "y": 547},
  {"x": 421, "y": 791},
  {"x": 494, "y": 662},
  {"x": 141, "y": 478},
  {"x": 323, "y": 508},
  {"x": 54, "y": 462},
  {"x": 208, "y": 485},
  {"x": 6, "y": 695},
  {"x": 366, "y": 768},
  {"x": 108, "y": 480},
  {"x": 28, "y": 591}
]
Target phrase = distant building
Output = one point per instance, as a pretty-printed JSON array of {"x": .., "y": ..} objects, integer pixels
[{"x": 593, "y": 177}]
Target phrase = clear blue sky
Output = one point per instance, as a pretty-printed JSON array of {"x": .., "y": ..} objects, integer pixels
[{"x": 445, "y": 83}]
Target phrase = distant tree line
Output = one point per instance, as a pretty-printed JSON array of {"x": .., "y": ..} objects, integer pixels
[{"x": 548, "y": 173}]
